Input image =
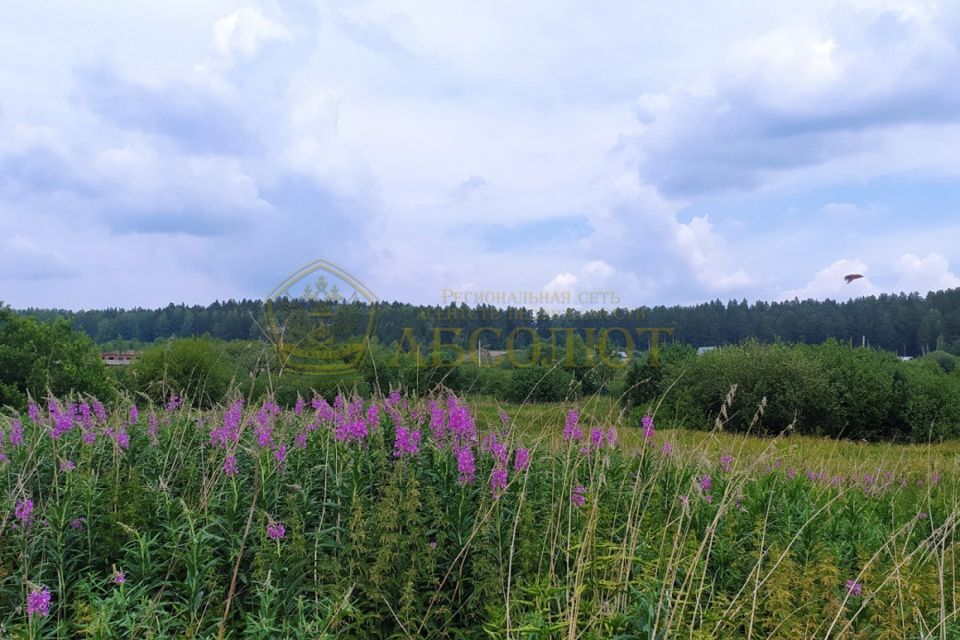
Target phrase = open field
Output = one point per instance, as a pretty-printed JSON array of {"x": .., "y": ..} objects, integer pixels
[{"x": 440, "y": 517}]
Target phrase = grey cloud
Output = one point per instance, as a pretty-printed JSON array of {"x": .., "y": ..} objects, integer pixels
[{"x": 193, "y": 119}]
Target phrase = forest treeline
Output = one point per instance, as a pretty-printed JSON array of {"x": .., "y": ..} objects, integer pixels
[{"x": 907, "y": 324}]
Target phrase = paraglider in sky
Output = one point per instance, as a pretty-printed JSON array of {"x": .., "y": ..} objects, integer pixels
[{"x": 853, "y": 276}]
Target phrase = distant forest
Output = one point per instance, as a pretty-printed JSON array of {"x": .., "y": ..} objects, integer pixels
[{"x": 908, "y": 324}]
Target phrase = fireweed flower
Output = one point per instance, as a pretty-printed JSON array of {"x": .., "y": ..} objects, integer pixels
[
  {"x": 437, "y": 421},
  {"x": 276, "y": 531},
  {"x": 596, "y": 438},
  {"x": 577, "y": 496},
  {"x": 791, "y": 473},
  {"x": 498, "y": 450},
  {"x": 407, "y": 442},
  {"x": 726, "y": 461},
  {"x": 706, "y": 483},
  {"x": 153, "y": 428},
  {"x": 119, "y": 577},
  {"x": 521, "y": 459},
  {"x": 174, "y": 403},
  {"x": 122, "y": 438},
  {"x": 612, "y": 437},
  {"x": 666, "y": 449},
  {"x": 16, "y": 433},
  {"x": 854, "y": 588},
  {"x": 299, "y": 406},
  {"x": 67, "y": 466},
  {"x": 300, "y": 440},
  {"x": 229, "y": 431},
  {"x": 33, "y": 412},
  {"x": 461, "y": 425},
  {"x": 571, "y": 429},
  {"x": 98, "y": 410},
  {"x": 504, "y": 418},
  {"x": 77, "y": 523},
  {"x": 465, "y": 464},
  {"x": 230, "y": 467},
  {"x": 498, "y": 481},
  {"x": 24, "y": 511},
  {"x": 373, "y": 417},
  {"x": 134, "y": 415},
  {"x": 280, "y": 455},
  {"x": 647, "y": 428},
  {"x": 38, "y": 603}
]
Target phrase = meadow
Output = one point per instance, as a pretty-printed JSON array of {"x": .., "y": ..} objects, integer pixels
[{"x": 445, "y": 517}]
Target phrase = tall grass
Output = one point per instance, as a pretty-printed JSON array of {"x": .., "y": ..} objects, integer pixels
[{"x": 389, "y": 530}]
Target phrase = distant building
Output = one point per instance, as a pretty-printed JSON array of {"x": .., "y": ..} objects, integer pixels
[
  {"x": 116, "y": 358},
  {"x": 703, "y": 350}
]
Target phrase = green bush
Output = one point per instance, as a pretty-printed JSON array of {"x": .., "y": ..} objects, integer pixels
[{"x": 199, "y": 369}]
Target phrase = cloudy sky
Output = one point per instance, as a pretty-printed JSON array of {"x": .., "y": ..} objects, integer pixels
[{"x": 672, "y": 152}]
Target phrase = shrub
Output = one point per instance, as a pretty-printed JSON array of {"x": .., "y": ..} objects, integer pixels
[{"x": 196, "y": 368}]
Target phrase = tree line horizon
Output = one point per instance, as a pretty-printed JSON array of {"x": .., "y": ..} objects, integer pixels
[{"x": 909, "y": 324}]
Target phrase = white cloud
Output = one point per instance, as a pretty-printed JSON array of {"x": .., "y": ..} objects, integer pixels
[
  {"x": 704, "y": 252},
  {"x": 829, "y": 283},
  {"x": 930, "y": 273},
  {"x": 242, "y": 33}
]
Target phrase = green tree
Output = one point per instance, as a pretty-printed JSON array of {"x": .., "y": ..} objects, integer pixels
[{"x": 37, "y": 358}]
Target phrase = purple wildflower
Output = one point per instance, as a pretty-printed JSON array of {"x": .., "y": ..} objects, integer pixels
[
  {"x": 504, "y": 418},
  {"x": 230, "y": 467},
  {"x": 726, "y": 461},
  {"x": 77, "y": 523},
  {"x": 791, "y": 473},
  {"x": 612, "y": 437},
  {"x": 38, "y": 602},
  {"x": 666, "y": 449},
  {"x": 119, "y": 577},
  {"x": 577, "y": 497},
  {"x": 299, "y": 406},
  {"x": 497, "y": 449},
  {"x": 24, "y": 511},
  {"x": 67, "y": 466},
  {"x": 229, "y": 432},
  {"x": 16, "y": 433},
  {"x": 596, "y": 438},
  {"x": 134, "y": 415},
  {"x": 99, "y": 411},
  {"x": 174, "y": 403},
  {"x": 854, "y": 588},
  {"x": 571, "y": 430},
  {"x": 706, "y": 483},
  {"x": 498, "y": 481},
  {"x": 437, "y": 421},
  {"x": 153, "y": 428},
  {"x": 33, "y": 412},
  {"x": 521, "y": 459},
  {"x": 648, "y": 428},
  {"x": 465, "y": 464},
  {"x": 407, "y": 442},
  {"x": 276, "y": 531},
  {"x": 280, "y": 454}
]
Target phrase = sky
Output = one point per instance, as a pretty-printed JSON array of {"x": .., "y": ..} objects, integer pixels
[{"x": 667, "y": 153}]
